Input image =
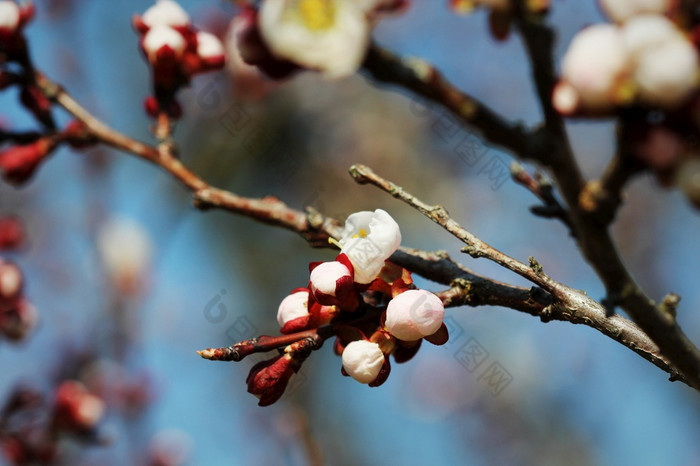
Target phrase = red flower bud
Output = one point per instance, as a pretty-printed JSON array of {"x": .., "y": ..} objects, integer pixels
[
  {"x": 268, "y": 379},
  {"x": 18, "y": 163},
  {"x": 78, "y": 135},
  {"x": 18, "y": 320},
  {"x": 12, "y": 234},
  {"x": 36, "y": 102}
]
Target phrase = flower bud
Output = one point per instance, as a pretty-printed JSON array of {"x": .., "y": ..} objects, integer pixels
[
  {"x": 210, "y": 51},
  {"x": 268, "y": 379},
  {"x": 293, "y": 306},
  {"x": 165, "y": 13},
  {"x": 17, "y": 321},
  {"x": 19, "y": 163},
  {"x": 414, "y": 314},
  {"x": 363, "y": 360},
  {"x": 12, "y": 233},
  {"x": 163, "y": 44},
  {"x": 595, "y": 67},
  {"x": 331, "y": 284},
  {"x": 11, "y": 282},
  {"x": 75, "y": 409},
  {"x": 125, "y": 250},
  {"x": 9, "y": 17}
]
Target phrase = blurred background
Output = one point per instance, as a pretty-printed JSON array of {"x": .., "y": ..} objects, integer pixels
[{"x": 211, "y": 279}]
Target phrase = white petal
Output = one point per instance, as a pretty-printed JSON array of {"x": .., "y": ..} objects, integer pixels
[
  {"x": 363, "y": 360},
  {"x": 622, "y": 10},
  {"x": 667, "y": 75},
  {"x": 646, "y": 31},
  {"x": 325, "y": 277},
  {"x": 293, "y": 306},
  {"x": 414, "y": 314},
  {"x": 160, "y": 36},
  {"x": 165, "y": 13},
  {"x": 9, "y": 15},
  {"x": 337, "y": 50},
  {"x": 595, "y": 65},
  {"x": 208, "y": 45}
]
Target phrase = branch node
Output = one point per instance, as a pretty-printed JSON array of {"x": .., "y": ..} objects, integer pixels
[{"x": 534, "y": 265}]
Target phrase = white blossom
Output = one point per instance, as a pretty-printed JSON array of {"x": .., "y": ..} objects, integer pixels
[
  {"x": 369, "y": 239},
  {"x": 165, "y": 13},
  {"x": 125, "y": 250},
  {"x": 331, "y": 36},
  {"x": 414, "y": 314},
  {"x": 163, "y": 36},
  {"x": 363, "y": 360},
  {"x": 666, "y": 75},
  {"x": 596, "y": 66},
  {"x": 293, "y": 306},
  {"x": 324, "y": 278},
  {"x": 9, "y": 15},
  {"x": 622, "y": 10},
  {"x": 10, "y": 280}
]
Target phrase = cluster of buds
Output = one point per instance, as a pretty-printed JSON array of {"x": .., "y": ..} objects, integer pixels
[
  {"x": 32, "y": 424},
  {"x": 370, "y": 305},
  {"x": 176, "y": 51},
  {"x": 644, "y": 58},
  {"x": 17, "y": 315},
  {"x": 330, "y": 36},
  {"x": 19, "y": 162}
]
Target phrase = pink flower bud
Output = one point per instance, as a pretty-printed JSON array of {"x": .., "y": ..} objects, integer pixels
[
  {"x": 165, "y": 13},
  {"x": 75, "y": 409},
  {"x": 163, "y": 44},
  {"x": 19, "y": 163},
  {"x": 363, "y": 360},
  {"x": 414, "y": 314},
  {"x": 293, "y": 306}
]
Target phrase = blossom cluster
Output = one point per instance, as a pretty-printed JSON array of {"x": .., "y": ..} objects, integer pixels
[
  {"x": 369, "y": 304},
  {"x": 331, "y": 36},
  {"x": 643, "y": 58},
  {"x": 176, "y": 51},
  {"x": 18, "y": 316}
]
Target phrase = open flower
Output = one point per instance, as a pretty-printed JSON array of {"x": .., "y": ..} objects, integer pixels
[
  {"x": 363, "y": 360},
  {"x": 369, "y": 239},
  {"x": 331, "y": 36},
  {"x": 414, "y": 314}
]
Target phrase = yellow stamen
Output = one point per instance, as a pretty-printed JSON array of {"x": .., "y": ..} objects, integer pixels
[
  {"x": 317, "y": 14},
  {"x": 361, "y": 234},
  {"x": 334, "y": 242}
]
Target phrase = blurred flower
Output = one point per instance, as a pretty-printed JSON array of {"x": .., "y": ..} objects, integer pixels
[
  {"x": 622, "y": 10},
  {"x": 165, "y": 13},
  {"x": 594, "y": 70},
  {"x": 18, "y": 319},
  {"x": 12, "y": 234},
  {"x": 9, "y": 17},
  {"x": 170, "y": 448},
  {"x": 163, "y": 44},
  {"x": 10, "y": 282},
  {"x": 414, "y": 314},
  {"x": 210, "y": 50},
  {"x": 363, "y": 360},
  {"x": 125, "y": 249},
  {"x": 331, "y": 36},
  {"x": 75, "y": 409},
  {"x": 18, "y": 163},
  {"x": 369, "y": 239}
]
